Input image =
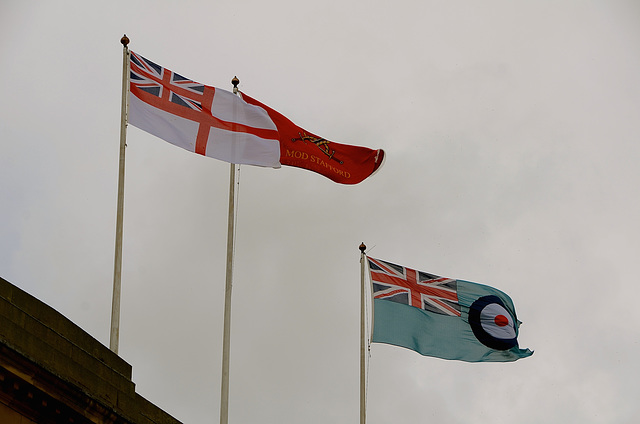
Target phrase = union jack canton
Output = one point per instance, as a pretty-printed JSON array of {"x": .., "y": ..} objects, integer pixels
[
  {"x": 154, "y": 79},
  {"x": 414, "y": 288}
]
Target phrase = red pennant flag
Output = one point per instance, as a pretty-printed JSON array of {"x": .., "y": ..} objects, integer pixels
[{"x": 342, "y": 163}]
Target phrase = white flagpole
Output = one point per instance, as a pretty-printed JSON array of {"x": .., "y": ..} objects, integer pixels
[
  {"x": 363, "y": 344},
  {"x": 117, "y": 267},
  {"x": 226, "y": 335}
]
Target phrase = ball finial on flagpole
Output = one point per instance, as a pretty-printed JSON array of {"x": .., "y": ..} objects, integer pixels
[
  {"x": 235, "y": 81},
  {"x": 362, "y": 247},
  {"x": 124, "y": 40}
]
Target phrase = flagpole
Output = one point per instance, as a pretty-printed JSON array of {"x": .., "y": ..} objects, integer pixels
[
  {"x": 224, "y": 391},
  {"x": 117, "y": 267},
  {"x": 363, "y": 406},
  {"x": 226, "y": 336}
]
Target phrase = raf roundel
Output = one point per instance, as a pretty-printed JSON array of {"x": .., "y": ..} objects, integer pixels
[{"x": 492, "y": 324}]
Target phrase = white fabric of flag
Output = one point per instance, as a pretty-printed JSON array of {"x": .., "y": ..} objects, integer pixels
[{"x": 199, "y": 118}]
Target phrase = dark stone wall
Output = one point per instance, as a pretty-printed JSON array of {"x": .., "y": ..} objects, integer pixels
[{"x": 53, "y": 371}]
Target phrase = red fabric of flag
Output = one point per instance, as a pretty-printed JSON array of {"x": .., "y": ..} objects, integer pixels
[{"x": 342, "y": 163}]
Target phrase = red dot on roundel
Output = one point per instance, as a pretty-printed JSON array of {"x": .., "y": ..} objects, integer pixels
[{"x": 501, "y": 320}]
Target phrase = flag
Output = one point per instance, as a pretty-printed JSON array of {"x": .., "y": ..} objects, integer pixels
[
  {"x": 342, "y": 163},
  {"x": 443, "y": 317},
  {"x": 199, "y": 118}
]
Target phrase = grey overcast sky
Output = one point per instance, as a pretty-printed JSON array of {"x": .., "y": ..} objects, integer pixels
[{"x": 511, "y": 131}]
